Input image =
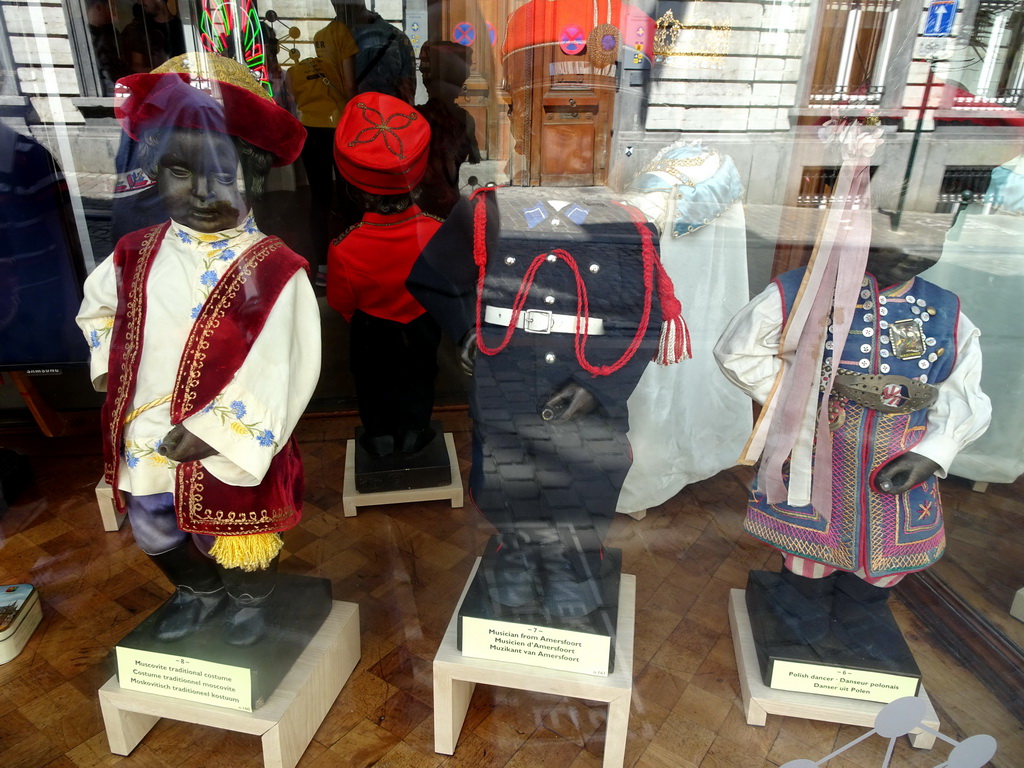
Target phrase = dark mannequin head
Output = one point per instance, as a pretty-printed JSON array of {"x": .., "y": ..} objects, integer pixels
[
  {"x": 206, "y": 179},
  {"x": 350, "y": 11},
  {"x": 894, "y": 265},
  {"x": 98, "y": 13},
  {"x": 444, "y": 67}
]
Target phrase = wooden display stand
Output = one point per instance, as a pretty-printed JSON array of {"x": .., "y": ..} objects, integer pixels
[
  {"x": 1017, "y": 609},
  {"x": 351, "y": 498},
  {"x": 759, "y": 700},
  {"x": 108, "y": 512},
  {"x": 455, "y": 677},
  {"x": 286, "y": 722}
]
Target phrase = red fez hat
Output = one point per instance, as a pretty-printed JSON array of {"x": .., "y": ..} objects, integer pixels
[
  {"x": 203, "y": 91},
  {"x": 381, "y": 144}
]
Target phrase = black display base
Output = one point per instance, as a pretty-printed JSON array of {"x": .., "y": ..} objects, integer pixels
[
  {"x": 300, "y": 604},
  {"x": 479, "y": 604},
  {"x": 827, "y": 660},
  {"x": 427, "y": 468}
]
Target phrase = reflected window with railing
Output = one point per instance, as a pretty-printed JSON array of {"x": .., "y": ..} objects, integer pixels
[
  {"x": 990, "y": 66},
  {"x": 854, "y": 47}
]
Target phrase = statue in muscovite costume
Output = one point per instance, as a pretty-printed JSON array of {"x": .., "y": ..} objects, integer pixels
[
  {"x": 557, "y": 305},
  {"x": 205, "y": 334},
  {"x": 870, "y": 380}
]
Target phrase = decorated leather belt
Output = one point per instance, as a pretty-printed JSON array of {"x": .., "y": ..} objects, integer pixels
[
  {"x": 542, "y": 321},
  {"x": 885, "y": 392}
]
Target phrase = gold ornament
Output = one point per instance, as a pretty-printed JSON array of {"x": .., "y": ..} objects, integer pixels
[{"x": 704, "y": 38}]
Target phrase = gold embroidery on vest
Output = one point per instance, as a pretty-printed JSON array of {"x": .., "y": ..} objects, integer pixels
[
  {"x": 134, "y": 318},
  {"x": 193, "y": 357},
  {"x": 219, "y": 522}
]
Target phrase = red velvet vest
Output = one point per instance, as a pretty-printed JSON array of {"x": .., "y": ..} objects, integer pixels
[{"x": 228, "y": 323}]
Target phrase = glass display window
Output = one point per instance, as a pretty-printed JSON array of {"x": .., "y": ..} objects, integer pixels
[{"x": 645, "y": 347}]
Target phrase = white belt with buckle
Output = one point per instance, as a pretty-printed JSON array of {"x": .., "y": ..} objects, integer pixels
[{"x": 542, "y": 321}]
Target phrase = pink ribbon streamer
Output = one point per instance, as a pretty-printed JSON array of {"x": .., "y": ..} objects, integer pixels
[{"x": 795, "y": 425}]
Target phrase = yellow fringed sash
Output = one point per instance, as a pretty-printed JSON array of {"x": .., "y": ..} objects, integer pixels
[{"x": 250, "y": 552}]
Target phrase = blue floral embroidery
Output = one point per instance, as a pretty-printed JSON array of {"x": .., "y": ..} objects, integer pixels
[
  {"x": 196, "y": 309},
  {"x": 226, "y": 255},
  {"x": 136, "y": 452},
  {"x": 249, "y": 225},
  {"x": 184, "y": 237},
  {"x": 218, "y": 244},
  {"x": 98, "y": 335},
  {"x": 232, "y": 415},
  {"x": 208, "y": 278}
]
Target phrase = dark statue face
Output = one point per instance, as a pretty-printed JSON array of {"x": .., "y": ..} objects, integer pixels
[
  {"x": 892, "y": 266},
  {"x": 200, "y": 180}
]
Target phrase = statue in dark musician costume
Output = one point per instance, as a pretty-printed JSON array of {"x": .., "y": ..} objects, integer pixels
[{"x": 557, "y": 305}]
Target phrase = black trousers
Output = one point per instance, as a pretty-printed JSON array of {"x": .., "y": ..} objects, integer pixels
[
  {"x": 394, "y": 366},
  {"x": 318, "y": 160}
]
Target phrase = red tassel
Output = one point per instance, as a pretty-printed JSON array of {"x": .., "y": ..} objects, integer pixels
[{"x": 674, "y": 342}]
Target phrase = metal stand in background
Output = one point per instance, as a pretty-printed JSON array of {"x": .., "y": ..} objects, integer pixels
[{"x": 913, "y": 145}]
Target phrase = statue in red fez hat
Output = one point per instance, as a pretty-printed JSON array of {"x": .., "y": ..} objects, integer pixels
[
  {"x": 204, "y": 332},
  {"x": 380, "y": 148}
]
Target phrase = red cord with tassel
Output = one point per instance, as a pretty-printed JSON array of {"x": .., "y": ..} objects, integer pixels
[{"x": 674, "y": 341}]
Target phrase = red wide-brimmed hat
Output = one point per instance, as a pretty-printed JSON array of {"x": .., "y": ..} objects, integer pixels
[
  {"x": 203, "y": 91},
  {"x": 381, "y": 144}
]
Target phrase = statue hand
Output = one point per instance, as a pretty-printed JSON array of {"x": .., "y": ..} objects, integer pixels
[
  {"x": 181, "y": 445},
  {"x": 904, "y": 472},
  {"x": 568, "y": 403},
  {"x": 467, "y": 352}
]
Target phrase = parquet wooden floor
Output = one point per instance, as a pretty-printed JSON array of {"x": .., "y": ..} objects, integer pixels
[{"x": 405, "y": 566}]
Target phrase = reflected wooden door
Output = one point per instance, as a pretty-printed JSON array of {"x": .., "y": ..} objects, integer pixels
[
  {"x": 574, "y": 103},
  {"x": 561, "y": 101}
]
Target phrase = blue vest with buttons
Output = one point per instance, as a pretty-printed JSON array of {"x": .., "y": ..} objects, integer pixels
[{"x": 868, "y": 347}]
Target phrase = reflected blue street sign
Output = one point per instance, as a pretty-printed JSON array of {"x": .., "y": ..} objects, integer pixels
[{"x": 941, "y": 15}]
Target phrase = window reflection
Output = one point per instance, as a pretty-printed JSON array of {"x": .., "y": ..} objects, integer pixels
[{"x": 705, "y": 115}]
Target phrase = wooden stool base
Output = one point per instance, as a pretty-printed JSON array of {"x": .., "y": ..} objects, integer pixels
[
  {"x": 455, "y": 677},
  {"x": 351, "y": 498},
  {"x": 759, "y": 700},
  {"x": 286, "y": 722}
]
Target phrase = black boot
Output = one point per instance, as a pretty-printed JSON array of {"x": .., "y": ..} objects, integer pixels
[
  {"x": 862, "y": 618},
  {"x": 412, "y": 441},
  {"x": 198, "y": 595},
  {"x": 378, "y": 446},
  {"x": 571, "y": 568},
  {"x": 247, "y": 619},
  {"x": 510, "y": 573}
]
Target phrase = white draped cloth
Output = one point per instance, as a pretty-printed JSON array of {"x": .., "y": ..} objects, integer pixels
[
  {"x": 252, "y": 418},
  {"x": 983, "y": 262},
  {"x": 686, "y": 422}
]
